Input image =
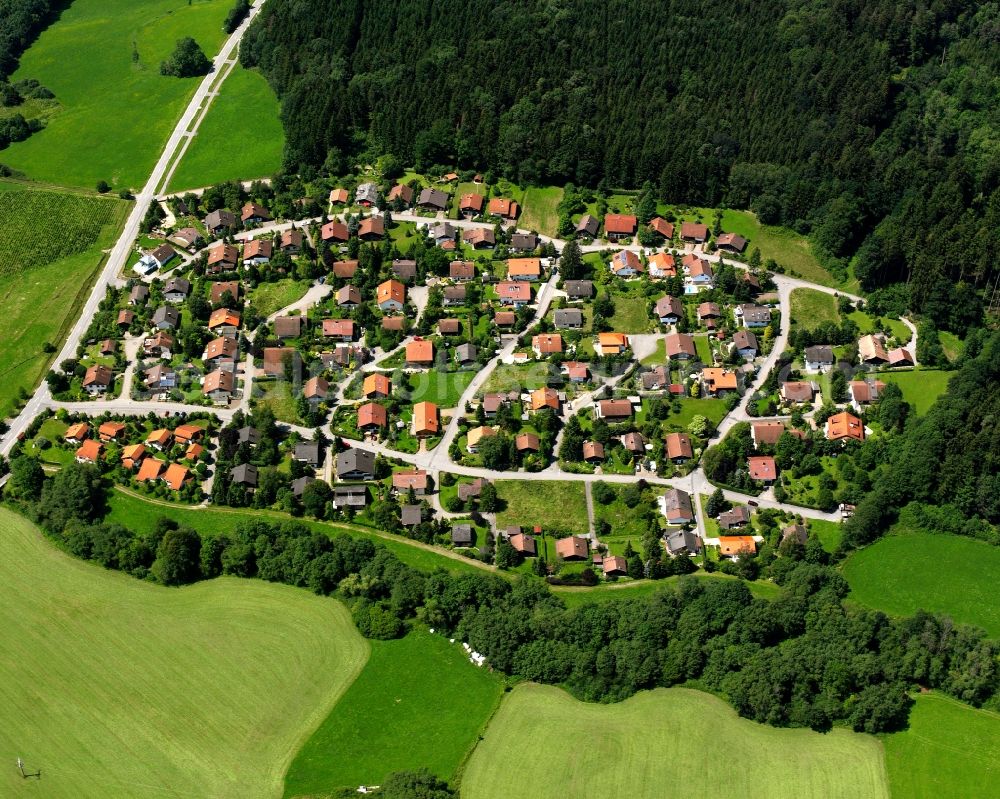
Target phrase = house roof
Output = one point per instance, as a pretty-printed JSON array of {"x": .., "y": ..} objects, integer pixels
[
  {"x": 694, "y": 230},
  {"x": 625, "y": 259},
  {"x": 501, "y": 206},
  {"x": 572, "y": 547},
  {"x": 524, "y": 267},
  {"x": 149, "y": 470},
  {"x": 477, "y": 434},
  {"x": 514, "y": 290},
  {"x": 188, "y": 432},
  {"x": 288, "y": 326},
  {"x": 217, "y": 290},
  {"x": 593, "y": 450},
  {"x": 697, "y": 267},
  {"x": 251, "y": 209},
  {"x": 766, "y": 432},
  {"x": 479, "y": 235},
  {"x": 730, "y": 545},
  {"x": 547, "y": 343},
  {"x": 612, "y": 339},
  {"x": 466, "y": 352},
  {"x": 762, "y": 467},
  {"x": 744, "y": 339},
  {"x": 420, "y": 351},
  {"x": 244, "y": 474},
  {"x": 634, "y": 442},
  {"x": 291, "y": 238},
  {"x": 544, "y": 398},
  {"x": 219, "y": 380},
  {"x": 471, "y": 202},
  {"x": 900, "y": 356},
  {"x": 614, "y": 564},
  {"x": 615, "y": 408},
  {"x": 679, "y": 446},
  {"x": 865, "y": 391},
  {"x": 417, "y": 479},
  {"x": 425, "y": 418},
  {"x": 176, "y": 475},
  {"x": 872, "y": 348},
  {"x": 338, "y": 327},
  {"x": 678, "y": 344},
  {"x": 316, "y": 387},
  {"x": 178, "y": 285},
  {"x": 433, "y": 198},
  {"x": 111, "y": 429},
  {"x": 797, "y": 391},
  {"x": 461, "y": 269},
  {"x": 845, "y": 426},
  {"x": 376, "y": 383},
  {"x": 797, "y": 531},
  {"x": 355, "y": 460},
  {"x": 732, "y": 240},
  {"x": 619, "y": 223},
  {"x": 393, "y": 322},
  {"x": 662, "y": 264},
  {"x": 565, "y": 317},
  {"x": 523, "y": 241},
  {"x": 221, "y": 347},
  {"x": 588, "y": 225},
  {"x": 524, "y": 544},
  {"x": 820, "y": 353},
  {"x": 402, "y": 191},
  {"x": 76, "y": 432},
  {"x": 677, "y": 504},
  {"x": 662, "y": 226},
  {"x": 457, "y": 293},
  {"x": 348, "y": 295},
  {"x": 258, "y": 248},
  {"x": 720, "y": 379},
  {"x": 345, "y": 269},
  {"x": 334, "y": 231},
  {"x": 404, "y": 268},
  {"x": 339, "y": 196},
  {"x": 527, "y": 441},
  {"x": 223, "y": 254},
  {"x": 160, "y": 437},
  {"x": 504, "y": 318},
  {"x": 390, "y": 290},
  {"x": 449, "y": 326},
  {"x": 411, "y": 515},
  {"x": 371, "y": 226},
  {"x": 223, "y": 317},
  {"x": 709, "y": 310},
  {"x": 90, "y": 450},
  {"x": 669, "y": 306},
  {"x": 371, "y": 413},
  {"x": 579, "y": 288},
  {"x": 98, "y": 375}
]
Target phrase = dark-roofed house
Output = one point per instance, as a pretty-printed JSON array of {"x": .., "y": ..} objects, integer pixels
[
  {"x": 796, "y": 532},
  {"x": 348, "y": 297},
  {"x": 455, "y": 295},
  {"x": 745, "y": 343},
  {"x": 245, "y": 475},
  {"x": 676, "y": 507},
  {"x": 411, "y": 515},
  {"x": 466, "y": 353},
  {"x": 523, "y": 242},
  {"x": 738, "y": 516},
  {"x": 166, "y": 318},
  {"x": 656, "y": 379},
  {"x": 299, "y": 486},
  {"x": 467, "y": 491},
  {"x": 568, "y": 317},
  {"x": 355, "y": 496},
  {"x": 138, "y": 294},
  {"x": 682, "y": 542},
  {"x": 288, "y": 326},
  {"x": 614, "y": 409},
  {"x": 432, "y": 200},
  {"x": 818, "y": 358},
  {"x": 98, "y": 379},
  {"x": 462, "y": 535},
  {"x": 356, "y": 464},
  {"x": 579, "y": 289},
  {"x": 217, "y": 221},
  {"x": 366, "y": 194},
  {"x": 480, "y": 238},
  {"x": 404, "y": 269},
  {"x": 176, "y": 290},
  {"x": 753, "y": 315},
  {"x": 309, "y": 452},
  {"x": 669, "y": 310},
  {"x": 731, "y": 242},
  {"x": 587, "y": 227}
]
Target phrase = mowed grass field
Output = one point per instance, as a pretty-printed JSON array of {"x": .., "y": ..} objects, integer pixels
[
  {"x": 949, "y": 574},
  {"x": 674, "y": 742},
  {"x": 240, "y": 138},
  {"x": 418, "y": 703},
  {"x": 811, "y": 308},
  {"x": 539, "y": 210},
  {"x": 553, "y": 504},
  {"x": 116, "y": 687},
  {"x": 949, "y": 751},
  {"x": 50, "y": 248},
  {"x": 920, "y": 387},
  {"x": 116, "y": 112}
]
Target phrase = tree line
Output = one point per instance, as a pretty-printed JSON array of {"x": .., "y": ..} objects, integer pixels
[
  {"x": 870, "y": 126},
  {"x": 804, "y": 658}
]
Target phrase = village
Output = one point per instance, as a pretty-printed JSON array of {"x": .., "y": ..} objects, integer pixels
[{"x": 435, "y": 352}]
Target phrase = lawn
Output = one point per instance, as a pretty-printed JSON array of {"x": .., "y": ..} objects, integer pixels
[
  {"x": 418, "y": 703},
  {"x": 658, "y": 356},
  {"x": 920, "y": 387},
  {"x": 240, "y": 138},
  {"x": 828, "y": 533},
  {"x": 517, "y": 377},
  {"x": 948, "y": 574},
  {"x": 606, "y": 592},
  {"x": 556, "y": 505},
  {"x": 811, "y": 308},
  {"x": 116, "y": 687},
  {"x": 44, "y": 278},
  {"x": 949, "y": 751},
  {"x": 631, "y": 314},
  {"x": 444, "y": 389},
  {"x": 704, "y": 350},
  {"x": 137, "y": 514},
  {"x": 539, "y": 210},
  {"x": 277, "y": 395},
  {"x": 712, "y": 409},
  {"x": 952, "y": 344},
  {"x": 102, "y": 61},
  {"x": 662, "y": 743},
  {"x": 269, "y": 298},
  {"x": 866, "y": 324}
]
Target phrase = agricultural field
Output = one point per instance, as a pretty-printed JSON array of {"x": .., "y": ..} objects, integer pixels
[
  {"x": 661, "y": 743},
  {"x": 45, "y": 277},
  {"x": 539, "y": 210},
  {"x": 949, "y": 751},
  {"x": 556, "y": 505},
  {"x": 418, "y": 703},
  {"x": 101, "y": 59},
  {"x": 947, "y": 574},
  {"x": 811, "y": 308},
  {"x": 241, "y": 137},
  {"x": 136, "y": 513},
  {"x": 920, "y": 387},
  {"x": 116, "y": 687}
]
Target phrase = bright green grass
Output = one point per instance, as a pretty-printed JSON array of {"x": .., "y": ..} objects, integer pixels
[
  {"x": 712, "y": 409},
  {"x": 45, "y": 276},
  {"x": 658, "y": 356},
  {"x": 553, "y": 504},
  {"x": 952, "y": 344},
  {"x": 277, "y": 395},
  {"x": 828, "y": 533},
  {"x": 269, "y": 298},
  {"x": 240, "y": 138},
  {"x": 866, "y": 324},
  {"x": 942, "y": 573},
  {"x": 664, "y": 743},
  {"x": 418, "y": 703},
  {"x": 116, "y": 114},
  {"x": 920, "y": 387},
  {"x": 949, "y": 751},
  {"x": 539, "y": 210},
  {"x": 631, "y": 315},
  {"x": 517, "y": 377},
  {"x": 116, "y": 687},
  {"x": 811, "y": 308},
  {"x": 605, "y": 592},
  {"x": 442, "y": 388},
  {"x": 138, "y": 514},
  {"x": 704, "y": 350}
]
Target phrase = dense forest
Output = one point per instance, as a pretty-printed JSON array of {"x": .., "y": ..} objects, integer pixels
[
  {"x": 20, "y": 22},
  {"x": 872, "y": 126}
]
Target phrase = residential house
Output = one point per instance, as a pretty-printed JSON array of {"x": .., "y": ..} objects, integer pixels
[
  {"x": 160, "y": 439},
  {"x": 254, "y": 214},
  {"x": 587, "y": 227},
  {"x": 656, "y": 379},
  {"x": 348, "y": 296},
  {"x": 611, "y": 343},
  {"x": 316, "y": 390},
  {"x": 89, "y": 452},
  {"x": 662, "y": 227},
  {"x": 310, "y": 453},
  {"x": 523, "y": 242},
  {"x": 593, "y": 451},
  {"x": 300, "y": 485},
  {"x": 505, "y": 319},
  {"x": 217, "y": 294},
  {"x": 222, "y": 258},
  {"x": 462, "y": 271},
  {"x": 426, "y": 421},
  {"x": 275, "y": 359},
  {"x": 404, "y": 269},
  {"x": 160, "y": 377},
  {"x": 108, "y": 347},
  {"x": 504, "y": 208},
  {"x": 527, "y": 442},
  {"x": 719, "y": 382},
  {"x": 477, "y": 434},
  {"x": 159, "y": 345},
  {"x": 709, "y": 310},
  {"x": 864, "y": 392},
  {"x": 245, "y": 474},
  {"x": 138, "y": 294},
  {"x": 524, "y": 269},
  {"x": 345, "y": 270},
  {"x": 662, "y": 265},
  {"x": 466, "y": 353},
  {"x": 156, "y": 259},
  {"x": 680, "y": 346},
  {"x": 111, "y": 431},
  {"x": 732, "y": 546},
  {"x": 132, "y": 455},
  {"x": 420, "y": 353},
  {"x": 871, "y": 349},
  {"x": 455, "y": 295},
  {"x": 619, "y": 226},
  {"x": 753, "y": 315},
  {"x": 219, "y": 385},
  {"x": 669, "y": 310},
  {"x": 371, "y": 416},
  {"x": 679, "y": 448},
  {"x": 223, "y": 348},
  {"x": 818, "y": 358},
  {"x": 568, "y": 318},
  {"x": 698, "y": 274},
  {"x": 798, "y": 391},
  {"x": 575, "y": 371},
  {"x": 625, "y": 264},
  {"x": 443, "y": 232},
  {"x": 746, "y": 344},
  {"x": 218, "y": 221},
  {"x": 188, "y": 433},
  {"x": 513, "y": 293},
  {"x": 166, "y": 318},
  {"x": 730, "y": 242},
  {"x": 338, "y": 329},
  {"x": 149, "y": 470},
  {"x": 395, "y": 324},
  {"x": 258, "y": 251},
  {"x": 76, "y": 433},
  {"x": 573, "y": 547},
  {"x": 682, "y": 542},
  {"x": 542, "y": 398},
  {"x": 471, "y": 204},
  {"x": 523, "y": 544},
  {"x": 338, "y": 197},
  {"x": 579, "y": 289},
  {"x": 900, "y": 357},
  {"x": 376, "y": 386},
  {"x": 762, "y": 468},
  {"x": 614, "y": 409},
  {"x": 614, "y": 566},
  {"x": 449, "y": 327},
  {"x": 795, "y": 532},
  {"x": 845, "y": 426},
  {"x": 390, "y": 296},
  {"x": 432, "y": 200},
  {"x": 480, "y": 238},
  {"x": 176, "y": 476},
  {"x": 224, "y": 322},
  {"x": 372, "y": 228},
  {"x": 694, "y": 232},
  {"x": 291, "y": 241},
  {"x": 404, "y": 481},
  {"x": 334, "y": 231},
  {"x": 352, "y": 496},
  {"x": 176, "y": 290},
  {"x": 401, "y": 192},
  {"x": 634, "y": 443},
  {"x": 288, "y": 326},
  {"x": 187, "y": 237},
  {"x": 366, "y": 195},
  {"x": 97, "y": 379},
  {"x": 546, "y": 344},
  {"x": 411, "y": 515},
  {"x": 735, "y": 517},
  {"x": 462, "y": 535}
]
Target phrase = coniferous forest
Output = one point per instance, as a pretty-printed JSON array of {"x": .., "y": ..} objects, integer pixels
[{"x": 872, "y": 126}]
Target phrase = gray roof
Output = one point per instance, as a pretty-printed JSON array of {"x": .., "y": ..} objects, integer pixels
[
  {"x": 675, "y": 499},
  {"x": 462, "y": 535},
  {"x": 737, "y": 517},
  {"x": 309, "y": 451},
  {"x": 524, "y": 241},
  {"x": 568, "y": 317},
  {"x": 166, "y": 314},
  {"x": 412, "y": 514},
  {"x": 355, "y": 460},
  {"x": 355, "y": 496},
  {"x": 366, "y": 191},
  {"x": 220, "y": 218},
  {"x": 248, "y": 435},
  {"x": 682, "y": 541},
  {"x": 178, "y": 284},
  {"x": 466, "y": 352},
  {"x": 433, "y": 198},
  {"x": 455, "y": 292},
  {"x": 821, "y": 353},
  {"x": 588, "y": 225},
  {"x": 443, "y": 230},
  {"x": 299, "y": 486},
  {"x": 244, "y": 474},
  {"x": 579, "y": 288}
]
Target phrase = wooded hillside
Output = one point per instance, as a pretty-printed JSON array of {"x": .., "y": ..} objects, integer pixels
[{"x": 872, "y": 125}]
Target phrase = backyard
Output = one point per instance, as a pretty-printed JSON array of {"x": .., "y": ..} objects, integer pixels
[{"x": 555, "y": 505}]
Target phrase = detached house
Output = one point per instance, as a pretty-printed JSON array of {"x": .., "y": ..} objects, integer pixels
[
  {"x": 753, "y": 315},
  {"x": 676, "y": 507},
  {"x": 845, "y": 426},
  {"x": 579, "y": 289},
  {"x": 679, "y": 448},
  {"x": 176, "y": 290},
  {"x": 504, "y": 208},
  {"x": 372, "y": 228},
  {"x": 731, "y": 242},
  {"x": 254, "y": 214},
  {"x": 698, "y": 275},
  {"x": 546, "y": 344},
  {"x": 222, "y": 258},
  {"x": 694, "y": 232},
  {"x": 662, "y": 227},
  {"x": 746, "y": 344},
  {"x": 426, "y": 421},
  {"x": 366, "y": 195},
  {"x": 871, "y": 349},
  {"x": 625, "y": 264},
  {"x": 401, "y": 192},
  {"x": 334, "y": 231},
  {"x": 524, "y": 269},
  {"x": 219, "y": 385},
  {"x": 420, "y": 353},
  {"x": 619, "y": 226},
  {"x": 818, "y": 358},
  {"x": 680, "y": 346},
  {"x": 217, "y": 221},
  {"x": 514, "y": 293},
  {"x": 568, "y": 318},
  {"x": 611, "y": 343},
  {"x": 662, "y": 265},
  {"x": 390, "y": 296},
  {"x": 166, "y": 318},
  {"x": 480, "y": 238},
  {"x": 669, "y": 310},
  {"x": 587, "y": 227},
  {"x": 258, "y": 252},
  {"x": 470, "y": 205},
  {"x": 433, "y": 200},
  {"x": 864, "y": 392}
]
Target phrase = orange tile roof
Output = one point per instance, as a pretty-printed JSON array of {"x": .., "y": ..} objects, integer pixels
[
  {"x": 679, "y": 446},
  {"x": 544, "y": 398},
  {"x": 390, "y": 290},
  {"x": 111, "y": 429},
  {"x": 619, "y": 223},
  {"x": 90, "y": 450},
  {"x": 188, "y": 432},
  {"x": 524, "y": 266},
  {"x": 376, "y": 384},
  {"x": 845, "y": 425},
  {"x": 77, "y": 431},
  {"x": 612, "y": 340},
  {"x": 425, "y": 419},
  {"x": 547, "y": 343},
  {"x": 371, "y": 413},
  {"x": 420, "y": 351},
  {"x": 159, "y": 437},
  {"x": 150, "y": 470},
  {"x": 471, "y": 201},
  {"x": 663, "y": 262},
  {"x": 223, "y": 316},
  {"x": 719, "y": 378},
  {"x": 132, "y": 454},
  {"x": 736, "y": 544},
  {"x": 194, "y": 452},
  {"x": 176, "y": 475}
]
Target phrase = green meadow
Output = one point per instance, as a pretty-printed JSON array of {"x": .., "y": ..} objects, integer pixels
[{"x": 102, "y": 61}]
